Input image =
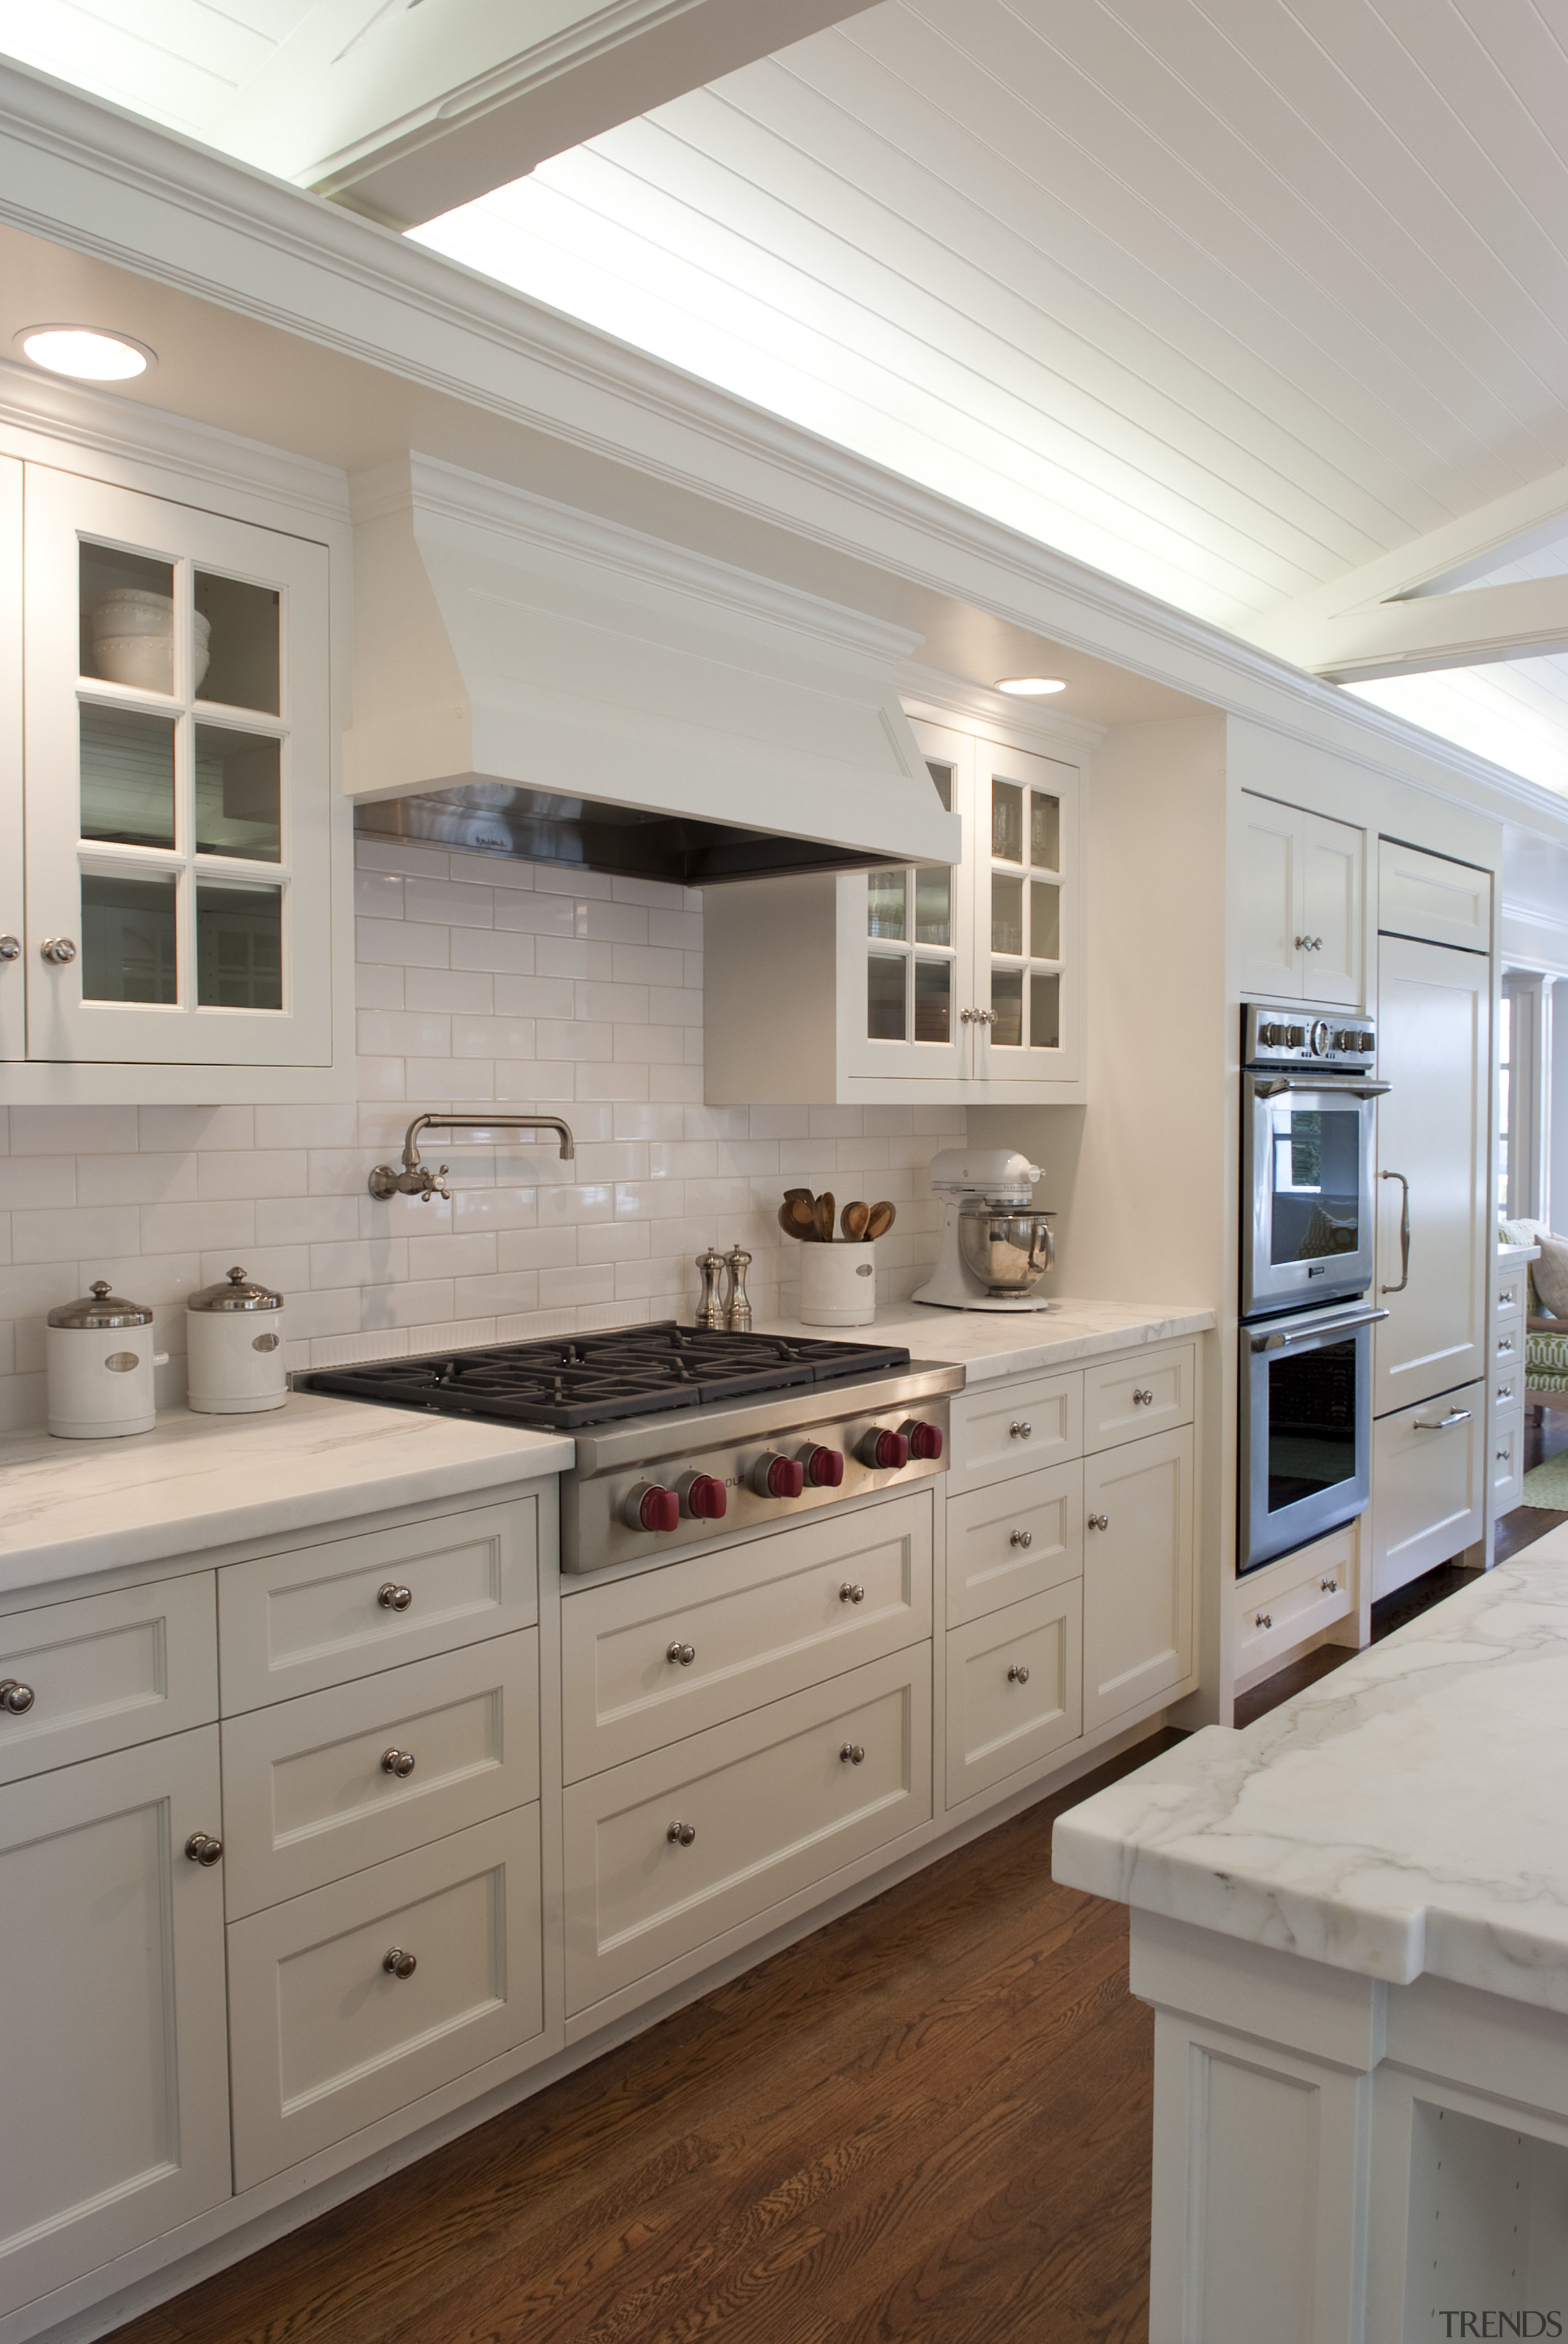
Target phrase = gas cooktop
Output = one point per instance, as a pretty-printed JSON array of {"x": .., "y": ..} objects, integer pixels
[{"x": 565, "y": 1382}]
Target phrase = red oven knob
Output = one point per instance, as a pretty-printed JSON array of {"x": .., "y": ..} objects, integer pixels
[
  {"x": 924, "y": 1439},
  {"x": 703, "y": 1496},
  {"x": 649, "y": 1508},
  {"x": 885, "y": 1452},
  {"x": 777, "y": 1477},
  {"x": 823, "y": 1467}
]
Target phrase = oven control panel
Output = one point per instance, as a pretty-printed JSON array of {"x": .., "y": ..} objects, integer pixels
[{"x": 1289, "y": 1033}]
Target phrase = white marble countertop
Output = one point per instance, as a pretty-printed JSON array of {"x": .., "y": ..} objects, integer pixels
[
  {"x": 989, "y": 1344},
  {"x": 1404, "y": 1815},
  {"x": 68, "y": 1508},
  {"x": 1508, "y": 1255}
]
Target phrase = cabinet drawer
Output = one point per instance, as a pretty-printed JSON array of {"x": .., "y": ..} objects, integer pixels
[
  {"x": 1126, "y": 1398},
  {"x": 1280, "y": 1607},
  {"x": 1506, "y": 1470},
  {"x": 308, "y": 1795},
  {"x": 1508, "y": 1343},
  {"x": 760, "y": 1621},
  {"x": 326, "y": 2040},
  {"x": 294, "y": 1622},
  {"x": 1013, "y": 1540},
  {"x": 106, "y": 1671},
  {"x": 1508, "y": 1388},
  {"x": 1137, "y": 1574},
  {"x": 1015, "y": 1428},
  {"x": 1015, "y": 1689},
  {"x": 1428, "y": 1479},
  {"x": 1509, "y": 1294},
  {"x": 773, "y": 1806}
]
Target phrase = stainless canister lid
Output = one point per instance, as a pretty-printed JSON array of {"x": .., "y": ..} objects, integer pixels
[
  {"x": 101, "y": 1309},
  {"x": 236, "y": 1292}
]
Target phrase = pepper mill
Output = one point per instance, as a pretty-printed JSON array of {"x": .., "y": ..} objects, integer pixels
[
  {"x": 737, "y": 1314},
  {"x": 710, "y": 1310}
]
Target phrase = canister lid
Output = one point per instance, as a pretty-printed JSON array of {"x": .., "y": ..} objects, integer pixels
[
  {"x": 236, "y": 1292},
  {"x": 101, "y": 1309}
]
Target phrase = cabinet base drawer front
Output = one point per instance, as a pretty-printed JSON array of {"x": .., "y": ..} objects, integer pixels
[
  {"x": 1280, "y": 1606},
  {"x": 319, "y": 1615},
  {"x": 326, "y": 2037},
  {"x": 1015, "y": 1689},
  {"x": 1136, "y": 1573},
  {"x": 1013, "y": 1542},
  {"x": 1429, "y": 1476},
  {"x": 1507, "y": 1469},
  {"x": 1127, "y": 1399},
  {"x": 647, "y": 1661},
  {"x": 1508, "y": 1346},
  {"x": 1017, "y": 1427},
  {"x": 334, "y": 1781},
  {"x": 663, "y": 1854},
  {"x": 106, "y": 1671}
]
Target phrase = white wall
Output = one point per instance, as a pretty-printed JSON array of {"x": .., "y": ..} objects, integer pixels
[{"x": 477, "y": 981}]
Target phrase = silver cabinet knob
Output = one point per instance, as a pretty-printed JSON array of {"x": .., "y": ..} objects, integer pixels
[
  {"x": 1263, "y": 1620},
  {"x": 681, "y": 1834},
  {"x": 1100, "y": 1521},
  {"x": 393, "y": 1598},
  {"x": 1021, "y": 1538},
  {"x": 1332, "y": 1586},
  {"x": 398, "y": 1761},
  {"x": 1018, "y": 1673},
  {"x": 58, "y": 950},
  {"x": 10, "y": 947},
  {"x": 1020, "y": 1428},
  {"x": 202, "y": 1848},
  {"x": 1144, "y": 1398},
  {"x": 15, "y": 1696},
  {"x": 684, "y": 1653},
  {"x": 851, "y": 1593},
  {"x": 853, "y": 1753},
  {"x": 398, "y": 1963},
  {"x": 1503, "y": 1456}
]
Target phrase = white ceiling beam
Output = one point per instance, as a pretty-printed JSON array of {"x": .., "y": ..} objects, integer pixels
[
  {"x": 1471, "y": 628},
  {"x": 403, "y": 109}
]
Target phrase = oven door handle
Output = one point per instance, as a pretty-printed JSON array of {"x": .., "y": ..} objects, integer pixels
[
  {"x": 1404, "y": 1233},
  {"x": 1326, "y": 1330},
  {"x": 1349, "y": 1089}
]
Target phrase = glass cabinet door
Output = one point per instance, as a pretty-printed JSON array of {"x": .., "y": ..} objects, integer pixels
[
  {"x": 12, "y": 892},
  {"x": 177, "y": 799},
  {"x": 909, "y": 930},
  {"x": 1024, "y": 972}
]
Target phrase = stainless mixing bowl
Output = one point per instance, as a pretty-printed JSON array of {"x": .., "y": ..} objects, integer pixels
[{"x": 1009, "y": 1250}]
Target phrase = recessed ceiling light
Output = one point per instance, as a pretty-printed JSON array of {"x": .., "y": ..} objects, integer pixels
[
  {"x": 85, "y": 353},
  {"x": 1030, "y": 687}
]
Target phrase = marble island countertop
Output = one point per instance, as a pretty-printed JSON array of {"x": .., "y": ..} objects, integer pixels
[
  {"x": 990, "y": 1344},
  {"x": 1403, "y": 1815},
  {"x": 70, "y": 1508}
]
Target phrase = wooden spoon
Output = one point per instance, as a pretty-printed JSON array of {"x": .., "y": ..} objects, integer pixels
[
  {"x": 790, "y": 1195},
  {"x": 801, "y": 1207},
  {"x": 880, "y": 1220},
  {"x": 791, "y": 1226},
  {"x": 852, "y": 1221},
  {"x": 825, "y": 1216}
]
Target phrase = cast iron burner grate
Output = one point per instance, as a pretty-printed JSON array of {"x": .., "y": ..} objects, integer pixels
[{"x": 567, "y": 1381}]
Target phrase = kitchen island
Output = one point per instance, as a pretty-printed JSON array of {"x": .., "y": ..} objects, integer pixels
[{"x": 1351, "y": 1920}]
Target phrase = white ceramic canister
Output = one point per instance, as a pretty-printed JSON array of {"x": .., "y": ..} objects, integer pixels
[
  {"x": 837, "y": 1284},
  {"x": 99, "y": 1359},
  {"x": 235, "y": 1337}
]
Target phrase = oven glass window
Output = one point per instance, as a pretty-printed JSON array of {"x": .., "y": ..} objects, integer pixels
[
  {"x": 1316, "y": 1176},
  {"x": 1312, "y": 1423}
]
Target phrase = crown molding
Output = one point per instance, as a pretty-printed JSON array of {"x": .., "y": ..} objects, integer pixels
[{"x": 927, "y": 692}]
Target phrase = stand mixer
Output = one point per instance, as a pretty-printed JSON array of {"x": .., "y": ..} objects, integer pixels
[{"x": 995, "y": 1247}]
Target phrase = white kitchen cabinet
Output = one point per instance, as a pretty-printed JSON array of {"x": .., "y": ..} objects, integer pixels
[
  {"x": 1433, "y": 898},
  {"x": 1015, "y": 1539},
  {"x": 1505, "y": 1386},
  {"x": 176, "y": 818},
  {"x": 1136, "y": 1573},
  {"x": 1429, "y": 1486},
  {"x": 104, "y": 1670},
  {"x": 112, "y": 1954},
  {"x": 1299, "y": 897},
  {"x": 13, "y": 890},
  {"x": 1279, "y": 1607},
  {"x": 928, "y": 985},
  {"x": 1015, "y": 1690}
]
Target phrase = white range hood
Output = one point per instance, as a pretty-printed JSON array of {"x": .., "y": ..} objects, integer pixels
[{"x": 531, "y": 679}]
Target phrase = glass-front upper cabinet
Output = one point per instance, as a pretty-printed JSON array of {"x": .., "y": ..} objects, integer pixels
[
  {"x": 1024, "y": 973},
  {"x": 177, "y": 786}
]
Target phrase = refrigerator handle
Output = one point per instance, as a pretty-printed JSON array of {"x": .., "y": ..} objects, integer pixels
[{"x": 1404, "y": 1233}]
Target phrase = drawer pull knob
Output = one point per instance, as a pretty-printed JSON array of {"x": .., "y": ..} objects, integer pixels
[
  {"x": 681, "y": 1834},
  {"x": 202, "y": 1848},
  {"x": 1018, "y": 1673},
  {"x": 1503, "y": 1456},
  {"x": 1144, "y": 1398},
  {"x": 393, "y": 1598},
  {"x": 1329, "y": 1586},
  {"x": 15, "y": 1696},
  {"x": 1021, "y": 1538},
  {"x": 1100, "y": 1521},
  {"x": 852, "y": 1591},
  {"x": 853, "y": 1753},
  {"x": 684, "y": 1653},
  {"x": 58, "y": 951},
  {"x": 1263, "y": 1620},
  {"x": 1504, "y": 1391},
  {"x": 398, "y": 1761},
  {"x": 398, "y": 1963},
  {"x": 1506, "y": 1343},
  {"x": 1021, "y": 1429}
]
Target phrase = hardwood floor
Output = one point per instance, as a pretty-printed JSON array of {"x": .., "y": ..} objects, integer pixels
[{"x": 929, "y": 2121}]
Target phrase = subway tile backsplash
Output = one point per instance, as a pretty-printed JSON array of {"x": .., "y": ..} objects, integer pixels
[{"x": 479, "y": 983}]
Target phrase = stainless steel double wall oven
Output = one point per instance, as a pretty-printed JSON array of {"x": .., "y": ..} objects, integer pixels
[{"x": 1309, "y": 1095}]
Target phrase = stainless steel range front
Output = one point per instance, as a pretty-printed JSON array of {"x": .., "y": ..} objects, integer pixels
[{"x": 684, "y": 1435}]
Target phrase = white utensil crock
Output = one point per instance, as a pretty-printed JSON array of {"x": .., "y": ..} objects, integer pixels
[
  {"x": 838, "y": 1285},
  {"x": 99, "y": 1359},
  {"x": 234, "y": 1334}
]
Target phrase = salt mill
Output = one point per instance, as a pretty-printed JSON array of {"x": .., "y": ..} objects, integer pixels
[
  {"x": 710, "y": 1310},
  {"x": 738, "y": 1314}
]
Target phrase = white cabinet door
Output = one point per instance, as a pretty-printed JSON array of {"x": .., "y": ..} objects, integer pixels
[
  {"x": 111, "y": 1951},
  {"x": 906, "y": 952},
  {"x": 1433, "y": 1049},
  {"x": 1433, "y": 898},
  {"x": 178, "y": 789},
  {"x": 12, "y": 915},
  {"x": 1015, "y": 1690},
  {"x": 1267, "y": 898},
  {"x": 1428, "y": 1481},
  {"x": 1333, "y": 858},
  {"x": 1136, "y": 1573},
  {"x": 1023, "y": 845}
]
